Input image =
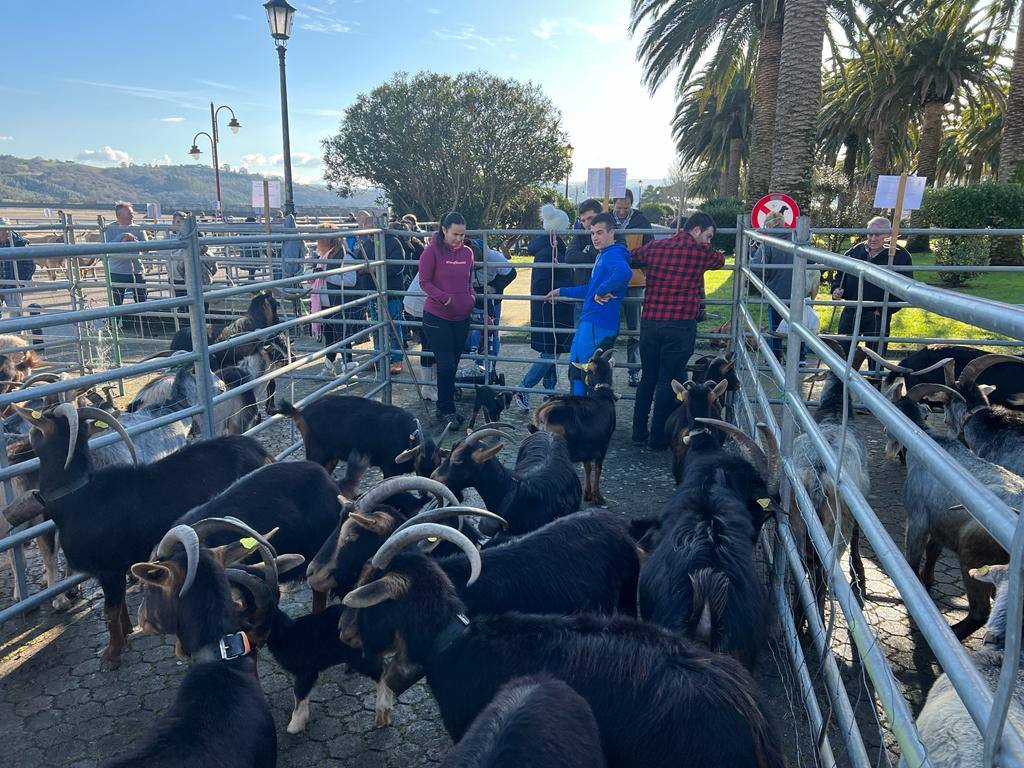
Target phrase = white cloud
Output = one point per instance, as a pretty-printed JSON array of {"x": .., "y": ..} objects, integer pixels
[
  {"x": 299, "y": 159},
  {"x": 218, "y": 85},
  {"x": 327, "y": 27},
  {"x": 6, "y": 138},
  {"x": 105, "y": 155},
  {"x": 256, "y": 159},
  {"x": 241, "y": 17},
  {"x": 165, "y": 160},
  {"x": 185, "y": 99},
  {"x": 608, "y": 32},
  {"x": 545, "y": 29},
  {"x": 468, "y": 34},
  {"x": 321, "y": 112},
  {"x": 172, "y": 119},
  {"x": 605, "y": 33}
]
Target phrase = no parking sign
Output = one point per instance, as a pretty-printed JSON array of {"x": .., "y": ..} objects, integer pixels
[{"x": 771, "y": 203}]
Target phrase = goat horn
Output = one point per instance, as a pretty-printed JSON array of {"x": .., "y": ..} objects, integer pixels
[
  {"x": 369, "y": 500},
  {"x": 496, "y": 425},
  {"x": 947, "y": 363},
  {"x": 184, "y": 535},
  {"x": 254, "y": 585},
  {"x": 919, "y": 391},
  {"x": 399, "y": 541},
  {"x": 25, "y": 413},
  {"x": 433, "y": 515},
  {"x": 205, "y": 527},
  {"x": 895, "y": 392},
  {"x": 974, "y": 368},
  {"x": 69, "y": 412},
  {"x": 24, "y": 508},
  {"x": 482, "y": 434},
  {"x": 89, "y": 412},
  {"x": 48, "y": 376},
  {"x": 834, "y": 345},
  {"x": 885, "y": 363},
  {"x": 774, "y": 458},
  {"x": 748, "y": 446}
]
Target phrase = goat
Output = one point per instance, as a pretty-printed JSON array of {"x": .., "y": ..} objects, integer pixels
[
  {"x": 297, "y": 497},
  {"x": 821, "y": 485},
  {"x": 696, "y": 400},
  {"x": 110, "y": 518},
  {"x": 716, "y": 368},
  {"x": 927, "y": 366},
  {"x": 935, "y": 519},
  {"x": 541, "y": 487},
  {"x": 340, "y": 427},
  {"x": 536, "y": 721},
  {"x": 17, "y": 360},
  {"x": 586, "y": 422},
  {"x": 490, "y": 401},
  {"x": 640, "y": 681},
  {"x": 993, "y": 432},
  {"x": 700, "y": 577},
  {"x": 947, "y": 729},
  {"x": 220, "y": 715}
]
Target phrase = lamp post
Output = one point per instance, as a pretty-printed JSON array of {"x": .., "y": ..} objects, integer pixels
[
  {"x": 640, "y": 194},
  {"x": 279, "y": 16},
  {"x": 568, "y": 154},
  {"x": 214, "y": 137}
]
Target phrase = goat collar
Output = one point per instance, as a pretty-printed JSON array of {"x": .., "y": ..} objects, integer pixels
[
  {"x": 64, "y": 490},
  {"x": 972, "y": 413},
  {"x": 455, "y": 629},
  {"x": 229, "y": 647}
]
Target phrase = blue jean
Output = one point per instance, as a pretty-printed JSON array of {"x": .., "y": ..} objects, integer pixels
[
  {"x": 541, "y": 369},
  {"x": 587, "y": 339},
  {"x": 396, "y": 310}
]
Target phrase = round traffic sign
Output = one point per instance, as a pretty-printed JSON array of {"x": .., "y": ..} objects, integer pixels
[{"x": 772, "y": 202}]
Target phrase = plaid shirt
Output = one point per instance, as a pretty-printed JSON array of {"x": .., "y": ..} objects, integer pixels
[{"x": 675, "y": 270}]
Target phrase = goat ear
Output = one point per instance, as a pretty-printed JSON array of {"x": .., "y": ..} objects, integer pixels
[
  {"x": 287, "y": 562},
  {"x": 986, "y": 389},
  {"x": 238, "y": 600},
  {"x": 680, "y": 391},
  {"x": 380, "y": 523},
  {"x": 990, "y": 574},
  {"x": 408, "y": 453},
  {"x": 162, "y": 575},
  {"x": 719, "y": 389},
  {"x": 484, "y": 454},
  {"x": 391, "y": 586}
]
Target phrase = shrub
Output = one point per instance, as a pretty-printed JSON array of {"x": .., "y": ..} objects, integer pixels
[
  {"x": 960, "y": 252},
  {"x": 655, "y": 212},
  {"x": 987, "y": 204},
  {"x": 724, "y": 211}
]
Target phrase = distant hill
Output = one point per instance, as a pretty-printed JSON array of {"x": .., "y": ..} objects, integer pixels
[{"x": 62, "y": 182}]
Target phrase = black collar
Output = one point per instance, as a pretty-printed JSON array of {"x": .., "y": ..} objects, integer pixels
[
  {"x": 229, "y": 647},
  {"x": 455, "y": 629},
  {"x": 64, "y": 490}
]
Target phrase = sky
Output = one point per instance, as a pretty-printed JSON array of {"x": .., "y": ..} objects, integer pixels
[{"x": 134, "y": 82}]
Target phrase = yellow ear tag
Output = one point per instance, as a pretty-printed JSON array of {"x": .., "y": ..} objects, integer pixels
[
  {"x": 248, "y": 542},
  {"x": 37, "y": 414},
  {"x": 982, "y": 571},
  {"x": 101, "y": 424},
  {"x": 679, "y": 397},
  {"x": 432, "y": 539}
]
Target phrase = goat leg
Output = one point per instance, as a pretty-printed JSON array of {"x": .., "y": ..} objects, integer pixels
[
  {"x": 979, "y": 596},
  {"x": 399, "y": 677},
  {"x": 115, "y": 610},
  {"x": 304, "y": 683},
  {"x": 932, "y": 550},
  {"x": 319, "y": 601},
  {"x": 857, "y": 566},
  {"x": 587, "y": 493},
  {"x": 596, "y": 492}
]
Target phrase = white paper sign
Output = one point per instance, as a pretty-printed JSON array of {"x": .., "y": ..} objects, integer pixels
[
  {"x": 888, "y": 187},
  {"x": 274, "y": 191},
  {"x": 596, "y": 180},
  {"x": 48, "y": 213},
  {"x": 152, "y": 210}
]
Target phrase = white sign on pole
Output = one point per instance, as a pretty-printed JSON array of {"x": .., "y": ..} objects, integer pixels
[
  {"x": 48, "y": 213},
  {"x": 274, "y": 187},
  {"x": 888, "y": 187},
  {"x": 595, "y": 182},
  {"x": 152, "y": 210}
]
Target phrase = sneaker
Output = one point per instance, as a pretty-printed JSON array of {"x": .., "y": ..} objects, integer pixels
[
  {"x": 429, "y": 393},
  {"x": 396, "y": 368},
  {"x": 521, "y": 401},
  {"x": 450, "y": 418},
  {"x": 329, "y": 368},
  {"x": 349, "y": 366},
  {"x": 634, "y": 378}
]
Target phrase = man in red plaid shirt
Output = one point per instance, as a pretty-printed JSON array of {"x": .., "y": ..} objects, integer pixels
[{"x": 674, "y": 269}]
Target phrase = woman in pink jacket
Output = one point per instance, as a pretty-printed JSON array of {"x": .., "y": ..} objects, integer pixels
[{"x": 446, "y": 270}]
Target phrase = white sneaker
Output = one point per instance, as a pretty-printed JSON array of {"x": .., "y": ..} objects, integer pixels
[
  {"x": 329, "y": 368},
  {"x": 520, "y": 400}
]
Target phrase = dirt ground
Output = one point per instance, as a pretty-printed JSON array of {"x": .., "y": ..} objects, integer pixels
[{"x": 58, "y": 708}]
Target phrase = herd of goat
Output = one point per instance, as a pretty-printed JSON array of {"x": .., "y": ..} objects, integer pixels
[{"x": 548, "y": 635}]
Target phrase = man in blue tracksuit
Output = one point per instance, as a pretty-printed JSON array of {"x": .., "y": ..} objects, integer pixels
[{"x": 602, "y": 298}]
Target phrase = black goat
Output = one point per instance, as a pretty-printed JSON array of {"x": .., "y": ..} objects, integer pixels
[
  {"x": 534, "y": 721},
  {"x": 716, "y": 368},
  {"x": 298, "y": 498},
  {"x": 364, "y": 432},
  {"x": 542, "y": 486},
  {"x": 111, "y": 517},
  {"x": 490, "y": 401},
  {"x": 927, "y": 366},
  {"x": 219, "y": 715},
  {"x": 262, "y": 312},
  {"x": 642, "y": 683},
  {"x": 587, "y": 423},
  {"x": 695, "y": 401}
]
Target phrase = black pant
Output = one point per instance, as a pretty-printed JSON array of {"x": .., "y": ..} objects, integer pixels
[
  {"x": 665, "y": 349},
  {"x": 870, "y": 322},
  {"x": 181, "y": 289},
  {"x": 120, "y": 277},
  {"x": 338, "y": 327},
  {"x": 447, "y": 340}
]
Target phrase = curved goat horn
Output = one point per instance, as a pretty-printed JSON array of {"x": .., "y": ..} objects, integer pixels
[
  {"x": 69, "y": 412},
  {"x": 433, "y": 515},
  {"x": 483, "y": 434},
  {"x": 946, "y": 363},
  {"x": 254, "y": 585},
  {"x": 496, "y": 425},
  {"x": 89, "y": 412},
  {"x": 184, "y": 535},
  {"x": 399, "y": 541},
  {"x": 885, "y": 363},
  {"x": 749, "y": 448},
  {"x": 919, "y": 391},
  {"x": 974, "y": 368},
  {"x": 369, "y": 500},
  {"x": 268, "y": 554},
  {"x": 48, "y": 376}
]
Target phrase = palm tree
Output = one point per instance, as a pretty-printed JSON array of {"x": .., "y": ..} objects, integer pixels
[
  {"x": 711, "y": 125},
  {"x": 971, "y": 146},
  {"x": 1011, "y": 146},
  {"x": 679, "y": 33}
]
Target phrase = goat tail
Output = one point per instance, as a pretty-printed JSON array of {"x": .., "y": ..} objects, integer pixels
[
  {"x": 287, "y": 409},
  {"x": 710, "y": 594}
]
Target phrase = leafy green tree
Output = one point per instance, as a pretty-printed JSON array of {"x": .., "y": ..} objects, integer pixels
[{"x": 433, "y": 142}]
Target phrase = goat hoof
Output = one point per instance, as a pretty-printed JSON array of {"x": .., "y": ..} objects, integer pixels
[
  {"x": 587, "y": 496},
  {"x": 599, "y": 501},
  {"x": 110, "y": 659},
  {"x": 62, "y": 603},
  {"x": 383, "y": 719}
]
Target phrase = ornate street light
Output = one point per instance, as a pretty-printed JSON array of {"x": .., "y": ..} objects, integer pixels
[
  {"x": 568, "y": 154},
  {"x": 279, "y": 16}
]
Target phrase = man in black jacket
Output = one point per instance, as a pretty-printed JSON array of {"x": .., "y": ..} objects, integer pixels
[
  {"x": 875, "y": 250},
  {"x": 628, "y": 217},
  {"x": 12, "y": 270}
]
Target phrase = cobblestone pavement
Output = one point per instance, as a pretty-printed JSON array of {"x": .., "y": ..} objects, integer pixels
[{"x": 58, "y": 708}]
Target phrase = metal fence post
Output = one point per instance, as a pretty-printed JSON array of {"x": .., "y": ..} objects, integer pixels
[
  {"x": 197, "y": 323},
  {"x": 383, "y": 316},
  {"x": 114, "y": 322},
  {"x": 737, "y": 279},
  {"x": 74, "y": 271}
]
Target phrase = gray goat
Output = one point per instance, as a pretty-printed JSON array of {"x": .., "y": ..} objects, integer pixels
[{"x": 946, "y": 728}]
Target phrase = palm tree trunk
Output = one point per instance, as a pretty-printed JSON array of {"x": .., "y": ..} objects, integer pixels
[
  {"x": 762, "y": 124},
  {"x": 852, "y": 146},
  {"x": 927, "y": 161},
  {"x": 1011, "y": 147},
  {"x": 731, "y": 180},
  {"x": 881, "y": 140},
  {"x": 796, "y": 113}
]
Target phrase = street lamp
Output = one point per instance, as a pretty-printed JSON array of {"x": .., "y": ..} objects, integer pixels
[
  {"x": 640, "y": 194},
  {"x": 279, "y": 16},
  {"x": 568, "y": 154},
  {"x": 214, "y": 137}
]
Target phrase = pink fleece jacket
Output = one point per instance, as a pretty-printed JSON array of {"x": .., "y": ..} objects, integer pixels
[{"x": 446, "y": 274}]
